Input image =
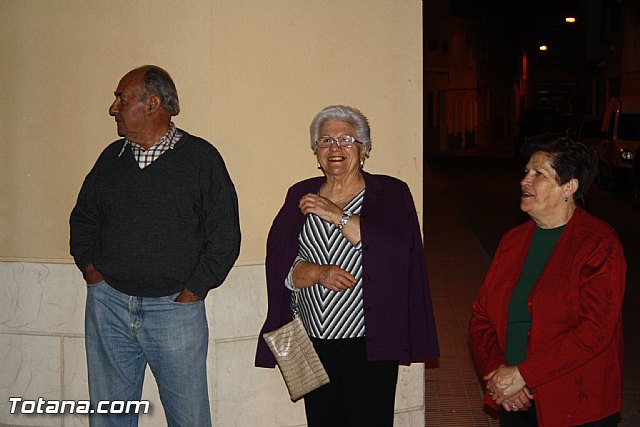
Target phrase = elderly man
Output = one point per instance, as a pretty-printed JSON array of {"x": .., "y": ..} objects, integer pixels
[{"x": 155, "y": 227}]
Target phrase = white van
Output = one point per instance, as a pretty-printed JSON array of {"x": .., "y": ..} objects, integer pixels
[{"x": 620, "y": 143}]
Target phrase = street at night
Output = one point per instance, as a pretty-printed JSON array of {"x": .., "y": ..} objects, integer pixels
[{"x": 469, "y": 202}]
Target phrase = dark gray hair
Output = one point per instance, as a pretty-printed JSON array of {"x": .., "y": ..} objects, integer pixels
[
  {"x": 158, "y": 82},
  {"x": 570, "y": 159},
  {"x": 351, "y": 115}
]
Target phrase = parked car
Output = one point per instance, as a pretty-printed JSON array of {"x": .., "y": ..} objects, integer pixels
[
  {"x": 585, "y": 128},
  {"x": 620, "y": 144},
  {"x": 579, "y": 127},
  {"x": 535, "y": 122},
  {"x": 635, "y": 182}
]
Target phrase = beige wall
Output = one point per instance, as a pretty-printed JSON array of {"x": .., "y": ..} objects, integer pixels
[{"x": 250, "y": 74}]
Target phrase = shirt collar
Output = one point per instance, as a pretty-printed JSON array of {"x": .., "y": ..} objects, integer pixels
[{"x": 169, "y": 136}]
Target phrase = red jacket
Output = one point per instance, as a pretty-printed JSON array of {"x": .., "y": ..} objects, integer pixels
[{"x": 575, "y": 350}]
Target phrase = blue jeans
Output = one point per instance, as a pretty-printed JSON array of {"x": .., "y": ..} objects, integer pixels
[{"x": 123, "y": 333}]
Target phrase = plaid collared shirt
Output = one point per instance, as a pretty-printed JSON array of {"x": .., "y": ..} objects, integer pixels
[{"x": 146, "y": 157}]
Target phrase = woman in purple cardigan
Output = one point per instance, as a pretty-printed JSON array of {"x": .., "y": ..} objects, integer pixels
[{"x": 349, "y": 244}]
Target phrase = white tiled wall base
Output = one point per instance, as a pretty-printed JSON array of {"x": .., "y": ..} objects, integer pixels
[{"x": 42, "y": 352}]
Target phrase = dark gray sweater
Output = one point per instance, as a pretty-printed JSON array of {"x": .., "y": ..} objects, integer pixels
[{"x": 157, "y": 230}]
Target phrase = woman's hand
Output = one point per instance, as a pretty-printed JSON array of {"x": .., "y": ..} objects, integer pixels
[
  {"x": 331, "y": 277},
  {"x": 320, "y": 206},
  {"x": 520, "y": 401},
  {"x": 504, "y": 382},
  {"x": 334, "y": 278},
  {"x": 328, "y": 211}
]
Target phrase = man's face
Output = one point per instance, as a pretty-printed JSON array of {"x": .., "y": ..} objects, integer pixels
[{"x": 130, "y": 112}]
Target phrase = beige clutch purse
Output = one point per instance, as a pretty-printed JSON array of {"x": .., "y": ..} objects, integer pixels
[{"x": 298, "y": 361}]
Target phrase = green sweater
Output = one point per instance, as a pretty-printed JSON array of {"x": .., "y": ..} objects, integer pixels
[
  {"x": 519, "y": 321},
  {"x": 157, "y": 230}
]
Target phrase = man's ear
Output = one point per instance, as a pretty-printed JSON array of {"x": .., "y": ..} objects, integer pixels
[{"x": 153, "y": 103}]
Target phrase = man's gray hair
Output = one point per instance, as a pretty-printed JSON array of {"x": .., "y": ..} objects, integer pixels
[
  {"x": 158, "y": 82},
  {"x": 344, "y": 113}
]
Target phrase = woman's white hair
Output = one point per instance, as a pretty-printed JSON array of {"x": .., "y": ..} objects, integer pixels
[{"x": 344, "y": 113}]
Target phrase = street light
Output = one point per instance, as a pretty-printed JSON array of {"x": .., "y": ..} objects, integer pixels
[
  {"x": 570, "y": 19},
  {"x": 543, "y": 47}
]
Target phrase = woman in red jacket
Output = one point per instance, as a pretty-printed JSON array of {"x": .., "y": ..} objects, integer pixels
[{"x": 546, "y": 327}]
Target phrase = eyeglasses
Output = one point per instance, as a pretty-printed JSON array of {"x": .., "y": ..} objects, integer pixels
[{"x": 341, "y": 141}]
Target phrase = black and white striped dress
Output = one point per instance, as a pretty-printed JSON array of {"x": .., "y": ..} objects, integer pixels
[{"x": 328, "y": 314}]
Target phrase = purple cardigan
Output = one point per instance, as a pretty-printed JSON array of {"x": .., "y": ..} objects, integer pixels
[{"x": 399, "y": 321}]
